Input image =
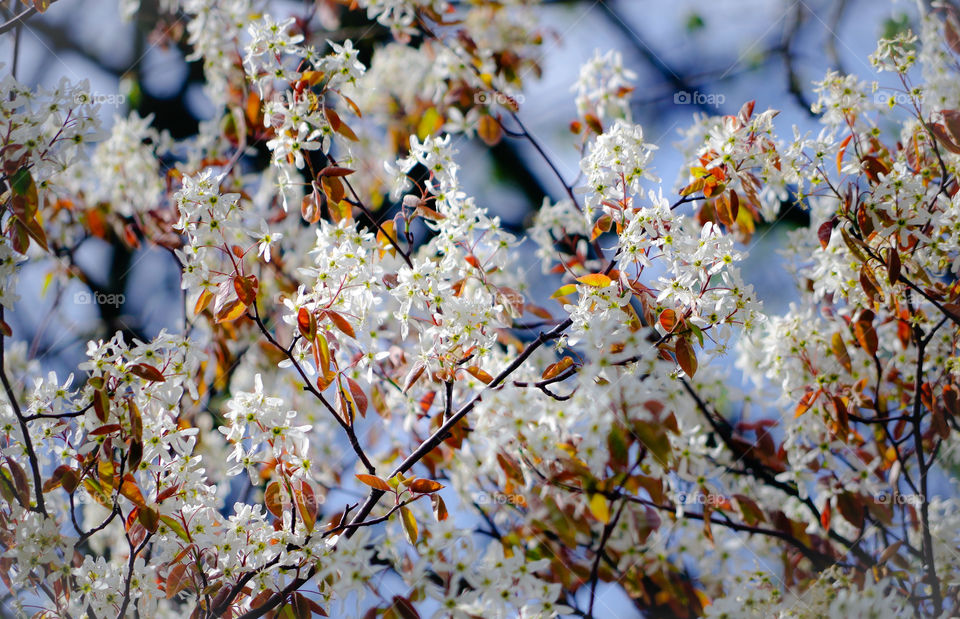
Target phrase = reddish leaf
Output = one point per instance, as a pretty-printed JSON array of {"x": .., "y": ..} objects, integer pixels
[
  {"x": 107, "y": 429},
  {"x": 177, "y": 580},
  {"x": 893, "y": 266},
  {"x": 402, "y": 608},
  {"x": 868, "y": 282},
  {"x": 56, "y": 477},
  {"x": 865, "y": 333},
  {"x": 147, "y": 372},
  {"x": 824, "y": 232},
  {"x": 20, "y": 480},
  {"x": 746, "y": 111},
  {"x": 273, "y": 499},
  {"x": 851, "y": 508},
  {"x": 686, "y": 356},
  {"x": 335, "y": 171},
  {"x": 358, "y": 397}
]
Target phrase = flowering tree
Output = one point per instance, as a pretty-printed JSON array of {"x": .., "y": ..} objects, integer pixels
[{"x": 359, "y": 347}]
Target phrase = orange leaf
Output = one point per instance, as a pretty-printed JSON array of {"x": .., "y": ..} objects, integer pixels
[
  {"x": 425, "y": 486},
  {"x": 480, "y": 375},
  {"x": 347, "y": 132},
  {"x": 806, "y": 402},
  {"x": 374, "y": 482},
  {"x": 130, "y": 490},
  {"x": 840, "y": 153},
  {"x": 489, "y": 130},
  {"x": 840, "y": 351},
  {"x": 825, "y": 515},
  {"x": 865, "y": 333},
  {"x": 554, "y": 369},
  {"x": 307, "y": 324},
  {"x": 439, "y": 507},
  {"x": 246, "y": 288},
  {"x": 205, "y": 297},
  {"x": 340, "y": 323},
  {"x": 231, "y": 311},
  {"x": 668, "y": 319},
  {"x": 598, "y": 280}
]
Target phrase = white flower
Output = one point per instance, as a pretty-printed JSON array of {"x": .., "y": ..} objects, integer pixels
[{"x": 265, "y": 239}]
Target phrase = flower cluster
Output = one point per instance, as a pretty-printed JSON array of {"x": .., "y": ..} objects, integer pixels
[{"x": 603, "y": 87}]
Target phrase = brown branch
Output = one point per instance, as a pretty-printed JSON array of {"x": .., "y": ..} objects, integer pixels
[
  {"x": 927, "y": 547},
  {"x": 130, "y": 566},
  {"x": 595, "y": 568},
  {"x": 19, "y": 19},
  {"x": 21, "y": 420}
]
